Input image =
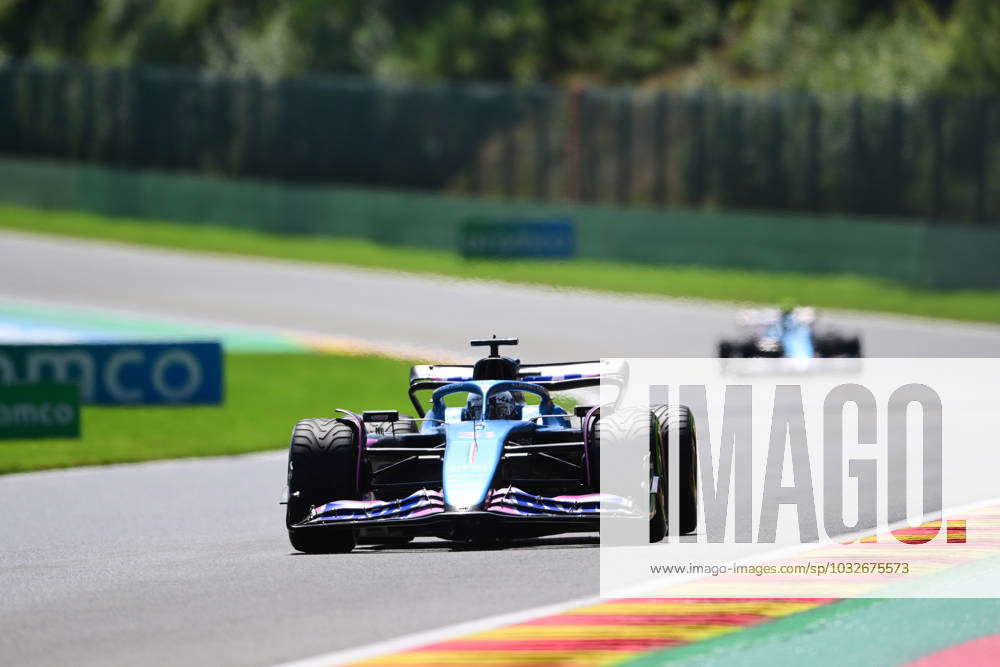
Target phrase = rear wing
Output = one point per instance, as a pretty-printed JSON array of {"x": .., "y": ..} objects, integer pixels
[
  {"x": 557, "y": 376},
  {"x": 529, "y": 372},
  {"x": 763, "y": 317}
]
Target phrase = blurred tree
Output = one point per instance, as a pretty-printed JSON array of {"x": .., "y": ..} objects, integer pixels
[
  {"x": 868, "y": 46},
  {"x": 54, "y": 28},
  {"x": 976, "y": 38}
]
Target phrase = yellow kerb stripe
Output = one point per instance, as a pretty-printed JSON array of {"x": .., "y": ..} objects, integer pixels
[
  {"x": 762, "y": 608},
  {"x": 508, "y": 659},
  {"x": 684, "y": 632}
]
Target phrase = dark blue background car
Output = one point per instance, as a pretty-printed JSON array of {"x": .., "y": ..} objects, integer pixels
[{"x": 787, "y": 333}]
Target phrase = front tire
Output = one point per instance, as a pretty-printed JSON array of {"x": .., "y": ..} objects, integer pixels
[
  {"x": 658, "y": 516},
  {"x": 681, "y": 415},
  {"x": 322, "y": 466}
]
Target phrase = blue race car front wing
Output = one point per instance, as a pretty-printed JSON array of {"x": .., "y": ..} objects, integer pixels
[{"x": 507, "y": 505}]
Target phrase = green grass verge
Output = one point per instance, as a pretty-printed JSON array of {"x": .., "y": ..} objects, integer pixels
[
  {"x": 828, "y": 291},
  {"x": 265, "y": 395}
]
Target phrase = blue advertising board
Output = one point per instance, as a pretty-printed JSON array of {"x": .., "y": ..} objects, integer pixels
[
  {"x": 179, "y": 373},
  {"x": 510, "y": 239}
]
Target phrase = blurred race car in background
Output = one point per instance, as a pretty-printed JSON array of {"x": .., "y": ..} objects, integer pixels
[
  {"x": 495, "y": 457},
  {"x": 789, "y": 333}
]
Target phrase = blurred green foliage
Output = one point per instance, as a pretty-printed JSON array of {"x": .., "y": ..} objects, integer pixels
[{"x": 883, "y": 47}]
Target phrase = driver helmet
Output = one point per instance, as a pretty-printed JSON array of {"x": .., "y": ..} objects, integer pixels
[
  {"x": 503, "y": 405},
  {"x": 789, "y": 313},
  {"x": 473, "y": 407}
]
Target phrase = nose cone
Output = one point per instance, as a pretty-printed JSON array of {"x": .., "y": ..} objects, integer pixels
[
  {"x": 471, "y": 455},
  {"x": 799, "y": 346},
  {"x": 798, "y": 343}
]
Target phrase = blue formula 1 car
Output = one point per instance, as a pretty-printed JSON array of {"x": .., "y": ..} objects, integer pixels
[
  {"x": 787, "y": 333},
  {"x": 494, "y": 458}
]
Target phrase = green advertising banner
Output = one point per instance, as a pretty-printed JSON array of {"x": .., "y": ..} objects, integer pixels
[
  {"x": 944, "y": 255},
  {"x": 43, "y": 410}
]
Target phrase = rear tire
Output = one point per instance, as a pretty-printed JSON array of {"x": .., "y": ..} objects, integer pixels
[
  {"x": 322, "y": 467},
  {"x": 401, "y": 427}
]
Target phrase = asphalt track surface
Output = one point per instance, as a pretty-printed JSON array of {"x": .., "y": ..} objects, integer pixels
[
  {"x": 186, "y": 562},
  {"x": 440, "y": 313}
]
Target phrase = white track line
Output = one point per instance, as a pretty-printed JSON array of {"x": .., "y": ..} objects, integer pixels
[{"x": 411, "y": 641}]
